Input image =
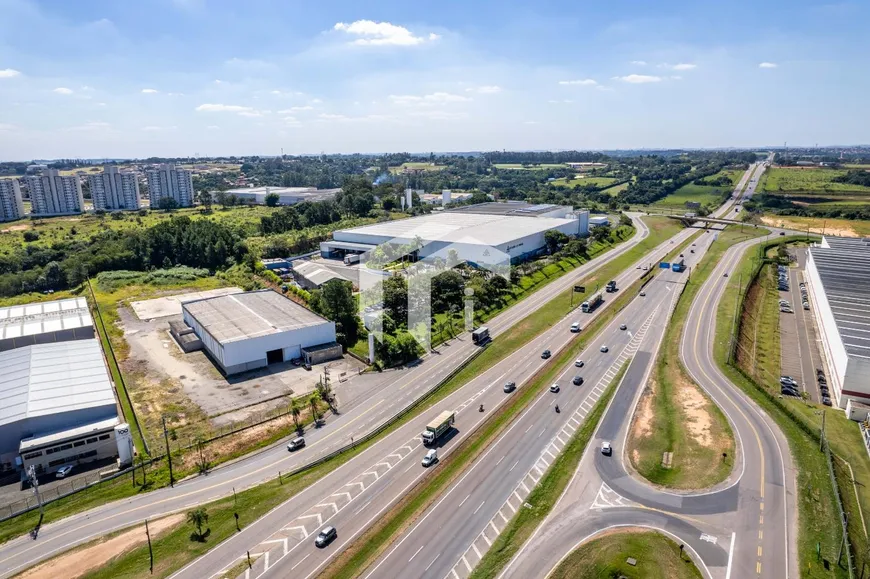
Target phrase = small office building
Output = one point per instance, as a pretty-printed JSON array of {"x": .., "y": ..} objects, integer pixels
[{"x": 251, "y": 330}]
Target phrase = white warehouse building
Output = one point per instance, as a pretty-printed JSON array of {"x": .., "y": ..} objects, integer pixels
[
  {"x": 250, "y": 330},
  {"x": 839, "y": 290},
  {"x": 513, "y": 229}
]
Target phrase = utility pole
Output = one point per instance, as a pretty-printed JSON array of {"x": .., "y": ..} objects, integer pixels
[
  {"x": 168, "y": 453},
  {"x": 34, "y": 482},
  {"x": 822, "y": 437}
]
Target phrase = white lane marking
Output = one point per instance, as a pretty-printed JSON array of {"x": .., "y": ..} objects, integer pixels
[
  {"x": 415, "y": 553},
  {"x": 302, "y": 560},
  {"x": 730, "y": 556},
  {"x": 432, "y": 563},
  {"x": 511, "y": 468},
  {"x": 499, "y": 461},
  {"x": 478, "y": 508}
]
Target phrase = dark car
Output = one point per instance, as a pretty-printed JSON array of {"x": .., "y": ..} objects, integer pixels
[
  {"x": 826, "y": 401},
  {"x": 545, "y": 354},
  {"x": 510, "y": 387},
  {"x": 789, "y": 391},
  {"x": 578, "y": 380},
  {"x": 325, "y": 537},
  {"x": 782, "y": 232}
]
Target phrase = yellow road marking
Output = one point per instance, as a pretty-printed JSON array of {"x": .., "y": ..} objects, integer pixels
[
  {"x": 761, "y": 506},
  {"x": 759, "y": 550},
  {"x": 758, "y": 567},
  {"x": 760, "y": 534}
]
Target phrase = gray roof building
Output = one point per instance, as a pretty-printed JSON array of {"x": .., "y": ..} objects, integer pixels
[{"x": 45, "y": 322}]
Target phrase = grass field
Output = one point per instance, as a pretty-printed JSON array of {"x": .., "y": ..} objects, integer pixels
[
  {"x": 579, "y": 181},
  {"x": 658, "y": 557},
  {"x": 616, "y": 189},
  {"x": 675, "y": 414},
  {"x": 809, "y": 180},
  {"x": 703, "y": 194}
]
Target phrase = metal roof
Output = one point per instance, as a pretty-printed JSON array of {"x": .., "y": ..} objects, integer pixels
[
  {"x": 53, "y": 437},
  {"x": 44, "y": 317},
  {"x": 843, "y": 264},
  {"x": 52, "y": 378},
  {"x": 506, "y": 208},
  {"x": 453, "y": 226},
  {"x": 316, "y": 273},
  {"x": 249, "y": 315}
]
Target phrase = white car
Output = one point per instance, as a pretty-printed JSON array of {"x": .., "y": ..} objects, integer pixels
[
  {"x": 554, "y": 388},
  {"x": 578, "y": 363},
  {"x": 63, "y": 471},
  {"x": 606, "y": 449},
  {"x": 430, "y": 458},
  {"x": 643, "y": 294},
  {"x": 605, "y": 349}
]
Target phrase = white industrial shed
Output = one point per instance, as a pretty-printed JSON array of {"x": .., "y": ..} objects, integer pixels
[
  {"x": 470, "y": 232},
  {"x": 839, "y": 288},
  {"x": 55, "y": 390},
  {"x": 45, "y": 322},
  {"x": 250, "y": 330}
]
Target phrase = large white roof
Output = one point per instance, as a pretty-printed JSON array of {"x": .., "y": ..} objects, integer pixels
[
  {"x": 453, "y": 227},
  {"x": 44, "y": 317},
  {"x": 52, "y": 378}
]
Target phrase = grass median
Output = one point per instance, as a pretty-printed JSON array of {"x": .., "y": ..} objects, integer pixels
[
  {"x": 546, "y": 493},
  {"x": 675, "y": 415},
  {"x": 363, "y": 551},
  {"x": 656, "y": 556},
  {"x": 818, "y": 519}
]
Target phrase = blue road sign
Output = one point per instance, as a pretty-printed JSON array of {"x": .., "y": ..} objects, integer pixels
[{"x": 664, "y": 265}]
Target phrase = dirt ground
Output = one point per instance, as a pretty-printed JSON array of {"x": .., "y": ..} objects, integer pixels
[
  {"x": 189, "y": 386},
  {"x": 694, "y": 408},
  {"x": 777, "y": 221},
  {"x": 80, "y": 561},
  {"x": 19, "y": 227},
  {"x": 642, "y": 425}
]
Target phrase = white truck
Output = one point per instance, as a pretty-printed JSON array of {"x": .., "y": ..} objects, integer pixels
[
  {"x": 351, "y": 259},
  {"x": 436, "y": 428}
]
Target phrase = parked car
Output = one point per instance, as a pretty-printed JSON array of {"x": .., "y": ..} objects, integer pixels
[
  {"x": 826, "y": 400},
  {"x": 554, "y": 388},
  {"x": 577, "y": 381},
  {"x": 545, "y": 354},
  {"x": 63, "y": 471},
  {"x": 789, "y": 391},
  {"x": 325, "y": 537},
  {"x": 510, "y": 387}
]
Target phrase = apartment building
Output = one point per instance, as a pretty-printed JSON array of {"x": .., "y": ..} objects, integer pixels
[
  {"x": 114, "y": 190},
  {"x": 11, "y": 206},
  {"x": 170, "y": 181},
  {"x": 54, "y": 194}
]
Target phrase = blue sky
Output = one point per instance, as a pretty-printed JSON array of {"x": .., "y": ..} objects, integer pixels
[{"x": 106, "y": 78}]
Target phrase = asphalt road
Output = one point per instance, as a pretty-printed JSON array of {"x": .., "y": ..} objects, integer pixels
[
  {"x": 355, "y": 495},
  {"x": 745, "y": 527},
  {"x": 364, "y": 402}
]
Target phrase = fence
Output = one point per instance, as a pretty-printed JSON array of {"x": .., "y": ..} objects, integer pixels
[{"x": 840, "y": 510}]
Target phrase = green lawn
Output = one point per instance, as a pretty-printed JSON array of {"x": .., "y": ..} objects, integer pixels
[
  {"x": 670, "y": 408},
  {"x": 703, "y": 194},
  {"x": 809, "y": 180},
  {"x": 616, "y": 189},
  {"x": 657, "y": 556}
]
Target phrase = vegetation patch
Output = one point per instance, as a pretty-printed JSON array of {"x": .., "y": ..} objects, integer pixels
[{"x": 606, "y": 555}]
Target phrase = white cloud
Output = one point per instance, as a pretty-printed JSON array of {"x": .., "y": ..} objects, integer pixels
[
  {"x": 429, "y": 99},
  {"x": 638, "y": 78},
  {"x": 530, "y": 122},
  {"x": 155, "y": 129},
  {"x": 252, "y": 113},
  {"x": 248, "y": 63},
  {"x": 295, "y": 110},
  {"x": 331, "y": 117},
  {"x": 149, "y": 91},
  {"x": 560, "y": 101},
  {"x": 91, "y": 126},
  {"x": 767, "y": 65},
  {"x": 373, "y": 33},
  {"x": 63, "y": 90},
  {"x": 676, "y": 77},
  {"x": 219, "y": 108},
  {"x": 680, "y": 66},
  {"x": 213, "y": 127},
  {"x": 579, "y": 82},
  {"x": 638, "y": 62},
  {"x": 289, "y": 119},
  {"x": 8, "y": 73},
  {"x": 438, "y": 115},
  {"x": 101, "y": 104},
  {"x": 6, "y": 127},
  {"x": 487, "y": 89},
  {"x": 315, "y": 101}
]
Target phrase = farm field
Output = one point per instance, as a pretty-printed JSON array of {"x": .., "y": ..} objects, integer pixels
[
  {"x": 704, "y": 194},
  {"x": 616, "y": 189},
  {"x": 806, "y": 181},
  {"x": 579, "y": 181}
]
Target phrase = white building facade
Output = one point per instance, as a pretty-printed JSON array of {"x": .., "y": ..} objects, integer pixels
[
  {"x": 114, "y": 190},
  {"x": 54, "y": 194},
  {"x": 170, "y": 181},
  {"x": 11, "y": 204}
]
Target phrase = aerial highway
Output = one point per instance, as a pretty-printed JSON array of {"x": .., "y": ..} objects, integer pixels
[
  {"x": 359, "y": 492},
  {"x": 365, "y": 402}
]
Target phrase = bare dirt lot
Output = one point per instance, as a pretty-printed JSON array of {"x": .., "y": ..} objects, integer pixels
[
  {"x": 171, "y": 305},
  {"x": 80, "y": 561}
]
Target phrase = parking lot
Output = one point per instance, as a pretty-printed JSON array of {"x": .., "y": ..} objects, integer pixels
[{"x": 800, "y": 353}]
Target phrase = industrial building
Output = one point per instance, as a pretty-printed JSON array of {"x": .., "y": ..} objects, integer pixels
[
  {"x": 446, "y": 197},
  {"x": 54, "y": 194},
  {"x": 286, "y": 195},
  {"x": 114, "y": 190},
  {"x": 170, "y": 181},
  {"x": 244, "y": 331},
  {"x": 11, "y": 203},
  {"x": 313, "y": 274},
  {"x": 839, "y": 291},
  {"x": 57, "y": 406},
  {"x": 512, "y": 229},
  {"x": 45, "y": 322}
]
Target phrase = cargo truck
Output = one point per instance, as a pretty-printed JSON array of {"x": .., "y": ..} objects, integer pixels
[
  {"x": 592, "y": 303},
  {"x": 436, "y": 428},
  {"x": 351, "y": 259},
  {"x": 678, "y": 266},
  {"x": 611, "y": 286},
  {"x": 480, "y": 336}
]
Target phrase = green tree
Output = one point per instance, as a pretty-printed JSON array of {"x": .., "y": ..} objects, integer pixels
[
  {"x": 313, "y": 404},
  {"x": 167, "y": 204},
  {"x": 205, "y": 199},
  {"x": 447, "y": 289},
  {"x": 295, "y": 412},
  {"x": 272, "y": 200},
  {"x": 554, "y": 240},
  {"x": 335, "y": 302},
  {"x": 600, "y": 232},
  {"x": 199, "y": 519},
  {"x": 624, "y": 219}
]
